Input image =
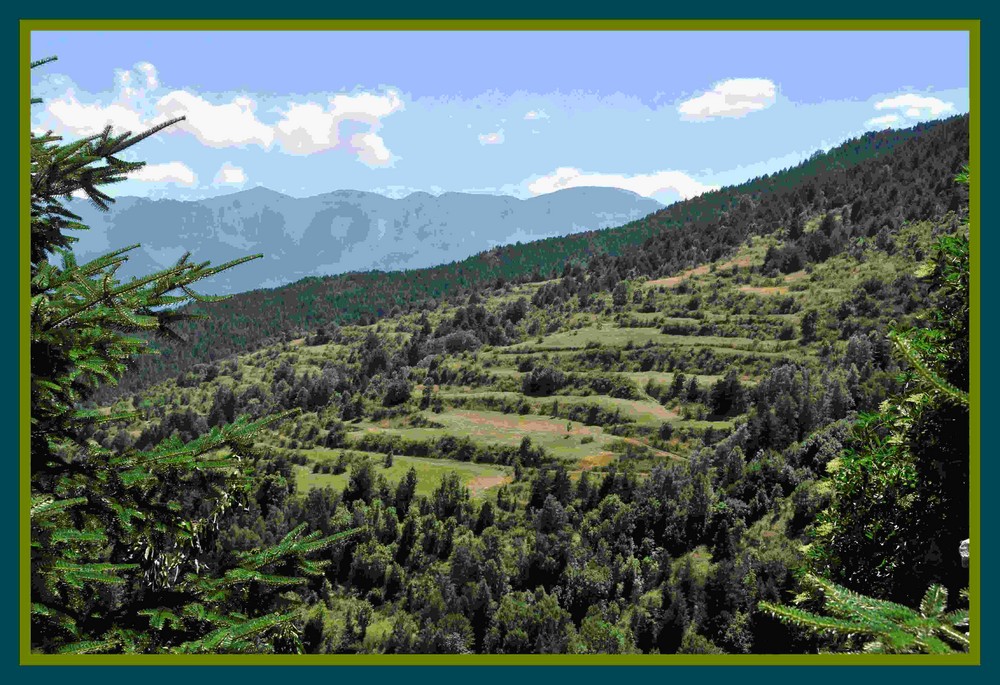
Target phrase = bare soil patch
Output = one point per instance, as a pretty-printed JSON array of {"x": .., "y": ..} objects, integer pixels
[
  {"x": 480, "y": 483},
  {"x": 519, "y": 423},
  {"x": 672, "y": 281},
  {"x": 765, "y": 290},
  {"x": 592, "y": 461}
]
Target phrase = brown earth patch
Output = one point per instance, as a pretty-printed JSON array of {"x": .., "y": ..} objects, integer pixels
[
  {"x": 519, "y": 423},
  {"x": 656, "y": 409},
  {"x": 594, "y": 460},
  {"x": 298, "y": 342},
  {"x": 768, "y": 290},
  {"x": 796, "y": 276},
  {"x": 481, "y": 483},
  {"x": 672, "y": 281}
]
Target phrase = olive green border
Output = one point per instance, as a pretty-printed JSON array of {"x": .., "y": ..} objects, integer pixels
[{"x": 972, "y": 26}]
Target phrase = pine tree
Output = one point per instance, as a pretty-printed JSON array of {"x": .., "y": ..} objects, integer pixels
[
  {"x": 116, "y": 535},
  {"x": 901, "y": 488},
  {"x": 878, "y": 626}
]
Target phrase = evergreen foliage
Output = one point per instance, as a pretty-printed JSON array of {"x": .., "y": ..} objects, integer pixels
[
  {"x": 118, "y": 537},
  {"x": 901, "y": 489},
  {"x": 881, "y": 627}
]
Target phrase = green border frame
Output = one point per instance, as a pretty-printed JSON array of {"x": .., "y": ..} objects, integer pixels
[{"x": 26, "y": 26}]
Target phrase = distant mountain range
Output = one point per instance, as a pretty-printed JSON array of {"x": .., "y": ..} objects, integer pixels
[{"x": 338, "y": 232}]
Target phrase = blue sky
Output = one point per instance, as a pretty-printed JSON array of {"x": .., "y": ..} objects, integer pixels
[{"x": 665, "y": 114}]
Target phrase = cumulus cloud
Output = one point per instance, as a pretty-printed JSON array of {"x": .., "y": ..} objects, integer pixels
[
  {"x": 232, "y": 124},
  {"x": 494, "y": 138},
  {"x": 171, "y": 172},
  {"x": 369, "y": 107},
  {"x": 371, "y": 149},
  {"x": 642, "y": 184},
  {"x": 307, "y": 128},
  {"x": 916, "y": 106},
  {"x": 536, "y": 114},
  {"x": 302, "y": 128},
  {"x": 149, "y": 72},
  {"x": 69, "y": 115},
  {"x": 733, "y": 98},
  {"x": 886, "y": 120},
  {"x": 230, "y": 175},
  {"x": 134, "y": 84}
]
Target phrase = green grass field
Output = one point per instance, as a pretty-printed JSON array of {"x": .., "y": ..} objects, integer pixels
[
  {"x": 563, "y": 439},
  {"x": 479, "y": 478}
]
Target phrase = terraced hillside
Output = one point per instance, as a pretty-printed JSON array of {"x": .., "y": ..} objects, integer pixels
[
  {"x": 488, "y": 450},
  {"x": 644, "y": 373}
]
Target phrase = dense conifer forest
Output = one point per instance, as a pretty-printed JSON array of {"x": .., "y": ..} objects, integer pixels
[{"x": 739, "y": 425}]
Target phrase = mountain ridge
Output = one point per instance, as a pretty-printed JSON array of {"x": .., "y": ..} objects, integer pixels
[{"x": 340, "y": 231}]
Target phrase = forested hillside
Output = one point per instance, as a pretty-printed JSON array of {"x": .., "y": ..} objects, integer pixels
[
  {"x": 739, "y": 425},
  {"x": 640, "y": 453},
  {"x": 882, "y": 179}
]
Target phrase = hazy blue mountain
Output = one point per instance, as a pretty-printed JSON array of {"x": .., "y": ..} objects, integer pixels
[{"x": 341, "y": 231}]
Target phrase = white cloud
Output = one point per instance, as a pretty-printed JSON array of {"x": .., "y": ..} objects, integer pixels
[
  {"x": 226, "y": 125},
  {"x": 643, "y": 184},
  {"x": 82, "y": 119},
  {"x": 916, "y": 106},
  {"x": 494, "y": 138},
  {"x": 365, "y": 106},
  {"x": 886, "y": 120},
  {"x": 149, "y": 71},
  {"x": 302, "y": 128},
  {"x": 230, "y": 175},
  {"x": 307, "y": 128},
  {"x": 536, "y": 114},
  {"x": 171, "y": 172},
  {"x": 132, "y": 84},
  {"x": 732, "y": 98},
  {"x": 371, "y": 149}
]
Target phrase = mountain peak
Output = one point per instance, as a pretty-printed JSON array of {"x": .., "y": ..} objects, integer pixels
[{"x": 256, "y": 192}]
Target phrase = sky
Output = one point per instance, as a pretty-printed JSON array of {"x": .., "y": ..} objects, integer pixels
[{"x": 668, "y": 115}]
